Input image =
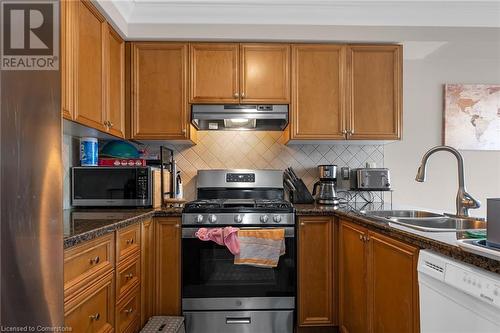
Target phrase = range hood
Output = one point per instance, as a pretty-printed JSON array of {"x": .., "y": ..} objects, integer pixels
[{"x": 240, "y": 117}]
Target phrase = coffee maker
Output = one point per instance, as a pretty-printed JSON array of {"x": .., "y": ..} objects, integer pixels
[{"x": 324, "y": 189}]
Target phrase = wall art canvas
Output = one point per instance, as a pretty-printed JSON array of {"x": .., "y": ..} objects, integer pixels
[{"x": 472, "y": 116}]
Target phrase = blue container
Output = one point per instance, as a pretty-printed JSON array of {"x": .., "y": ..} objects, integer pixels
[{"x": 89, "y": 148}]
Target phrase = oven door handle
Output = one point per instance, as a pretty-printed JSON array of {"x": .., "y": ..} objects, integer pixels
[{"x": 190, "y": 232}]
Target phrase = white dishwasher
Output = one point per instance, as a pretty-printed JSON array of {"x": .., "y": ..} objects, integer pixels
[{"x": 456, "y": 297}]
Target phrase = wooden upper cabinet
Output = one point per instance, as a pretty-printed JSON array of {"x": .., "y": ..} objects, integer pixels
[
  {"x": 214, "y": 73},
  {"x": 159, "y": 96},
  {"x": 265, "y": 73},
  {"x": 168, "y": 266},
  {"x": 374, "y": 91},
  {"x": 116, "y": 83},
  {"x": 352, "y": 279},
  {"x": 317, "y": 110},
  {"x": 67, "y": 70},
  {"x": 392, "y": 267},
  {"x": 316, "y": 278},
  {"x": 91, "y": 31}
]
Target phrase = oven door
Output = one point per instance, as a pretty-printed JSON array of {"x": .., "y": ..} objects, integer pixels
[{"x": 211, "y": 281}]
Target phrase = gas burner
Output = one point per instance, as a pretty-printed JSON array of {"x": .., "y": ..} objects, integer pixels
[{"x": 272, "y": 204}]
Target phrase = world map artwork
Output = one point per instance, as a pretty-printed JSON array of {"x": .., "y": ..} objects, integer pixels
[{"x": 472, "y": 116}]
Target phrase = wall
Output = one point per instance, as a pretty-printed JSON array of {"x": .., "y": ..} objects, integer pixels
[
  {"x": 471, "y": 60},
  {"x": 245, "y": 150},
  {"x": 71, "y": 157}
]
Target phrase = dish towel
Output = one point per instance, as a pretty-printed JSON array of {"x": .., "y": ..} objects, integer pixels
[
  {"x": 223, "y": 236},
  {"x": 260, "y": 247}
]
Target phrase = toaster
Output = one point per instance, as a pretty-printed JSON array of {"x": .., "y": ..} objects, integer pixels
[{"x": 370, "y": 179}]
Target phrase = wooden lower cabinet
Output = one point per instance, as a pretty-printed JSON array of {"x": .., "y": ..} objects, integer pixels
[
  {"x": 168, "y": 266},
  {"x": 317, "y": 302},
  {"x": 147, "y": 270},
  {"x": 128, "y": 312},
  {"x": 92, "y": 310},
  {"x": 378, "y": 282},
  {"x": 392, "y": 267},
  {"x": 352, "y": 279}
]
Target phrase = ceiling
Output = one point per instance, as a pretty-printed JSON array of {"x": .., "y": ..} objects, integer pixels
[
  {"x": 423, "y": 26},
  {"x": 163, "y": 19}
]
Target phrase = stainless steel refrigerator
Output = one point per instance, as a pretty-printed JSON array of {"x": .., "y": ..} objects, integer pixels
[{"x": 31, "y": 199}]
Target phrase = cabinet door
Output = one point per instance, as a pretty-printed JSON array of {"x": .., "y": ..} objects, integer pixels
[
  {"x": 168, "y": 266},
  {"x": 265, "y": 73},
  {"x": 93, "y": 309},
  {"x": 89, "y": 70},
  {"x": 67, "y": 61},
  {"x": 214, "y": 73},
  {"x": 352, "y": 279},
  {"x": 147, "y": 271},
  {"x": 316, "y": 271},
  {"x": 392, "y": 268},
  {"x": 159, "y": 100},
  {"x": 318, "y": 108},
  {"x": 374, "y": 92},
  {"x": 116, "y": 83}
]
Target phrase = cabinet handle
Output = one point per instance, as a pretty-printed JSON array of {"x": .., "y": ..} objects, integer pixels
[
  {"x": 129, "y": 276},
  {"x": 302, "y": 224},
  {"x": 243, "y": 95},
  {"x": 95, "y": 316},
  {"x": 344, "y": 131},
  {"x": 110, "y": 124},
  {"x": 94, "y": 261},
  {"x": 184, "y": 131},
  {"x": 177, "y": 225},
  {"x": 361, "y": 237},
  {"x": 130, "y": 241},
  {"x": 236, "y": 95},
  {"x": 129, "y": 311}
]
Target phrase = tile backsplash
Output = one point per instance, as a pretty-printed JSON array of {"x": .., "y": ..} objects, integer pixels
[{"x": 263, "y": 150}]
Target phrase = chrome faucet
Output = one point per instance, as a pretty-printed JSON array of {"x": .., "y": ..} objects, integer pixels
[{"x": 464, "y": 200}]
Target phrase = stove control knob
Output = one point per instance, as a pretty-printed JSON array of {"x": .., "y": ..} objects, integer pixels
[
  {"x": 277, "y": 218},
  {"x": 212, "y": 218},
  {"x": 264, "y": 218},
  {"x": 199, "y": 218},
  {"x": 238, "y": 218}
]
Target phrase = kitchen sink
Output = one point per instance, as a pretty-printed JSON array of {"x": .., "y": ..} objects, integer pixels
[
  {"x": 440, "y": 224},
  {"x": 427, "y": 221},
  {"x": 402, "y": 213}
]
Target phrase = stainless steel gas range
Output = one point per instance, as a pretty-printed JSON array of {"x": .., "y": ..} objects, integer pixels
[{"x": 217, "y": 295}]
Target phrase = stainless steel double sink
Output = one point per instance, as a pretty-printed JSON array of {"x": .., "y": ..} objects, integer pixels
[{"x": 427, "y": 221}]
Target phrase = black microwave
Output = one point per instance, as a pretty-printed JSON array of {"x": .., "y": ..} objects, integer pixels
[{"x": 111, "y": 186}]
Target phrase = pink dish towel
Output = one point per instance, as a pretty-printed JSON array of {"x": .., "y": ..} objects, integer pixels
[{"x": 227, "y": 236}]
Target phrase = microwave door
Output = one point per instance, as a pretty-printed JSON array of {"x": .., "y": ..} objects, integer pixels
[{"x": 111, "y": 187}]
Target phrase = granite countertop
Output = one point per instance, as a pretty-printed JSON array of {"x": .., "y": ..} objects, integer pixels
[
  {"x": 81, "y": 225},
  {"x": 441, "y": 242}
]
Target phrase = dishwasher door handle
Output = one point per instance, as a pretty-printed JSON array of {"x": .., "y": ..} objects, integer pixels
[{"x": 236, "y": 320}]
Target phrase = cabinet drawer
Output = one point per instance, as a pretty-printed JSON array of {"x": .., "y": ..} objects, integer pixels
[
  {"x": 128, "y": 241},
  {"x": 87, "y": 262},
  {"x": 128, "y": 275},
  {"x": 93, "y": 309},
  {"x": 128, "y": 311}
]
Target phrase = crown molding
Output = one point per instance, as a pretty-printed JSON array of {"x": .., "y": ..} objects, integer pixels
[{"x": 176, "y": 19}]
